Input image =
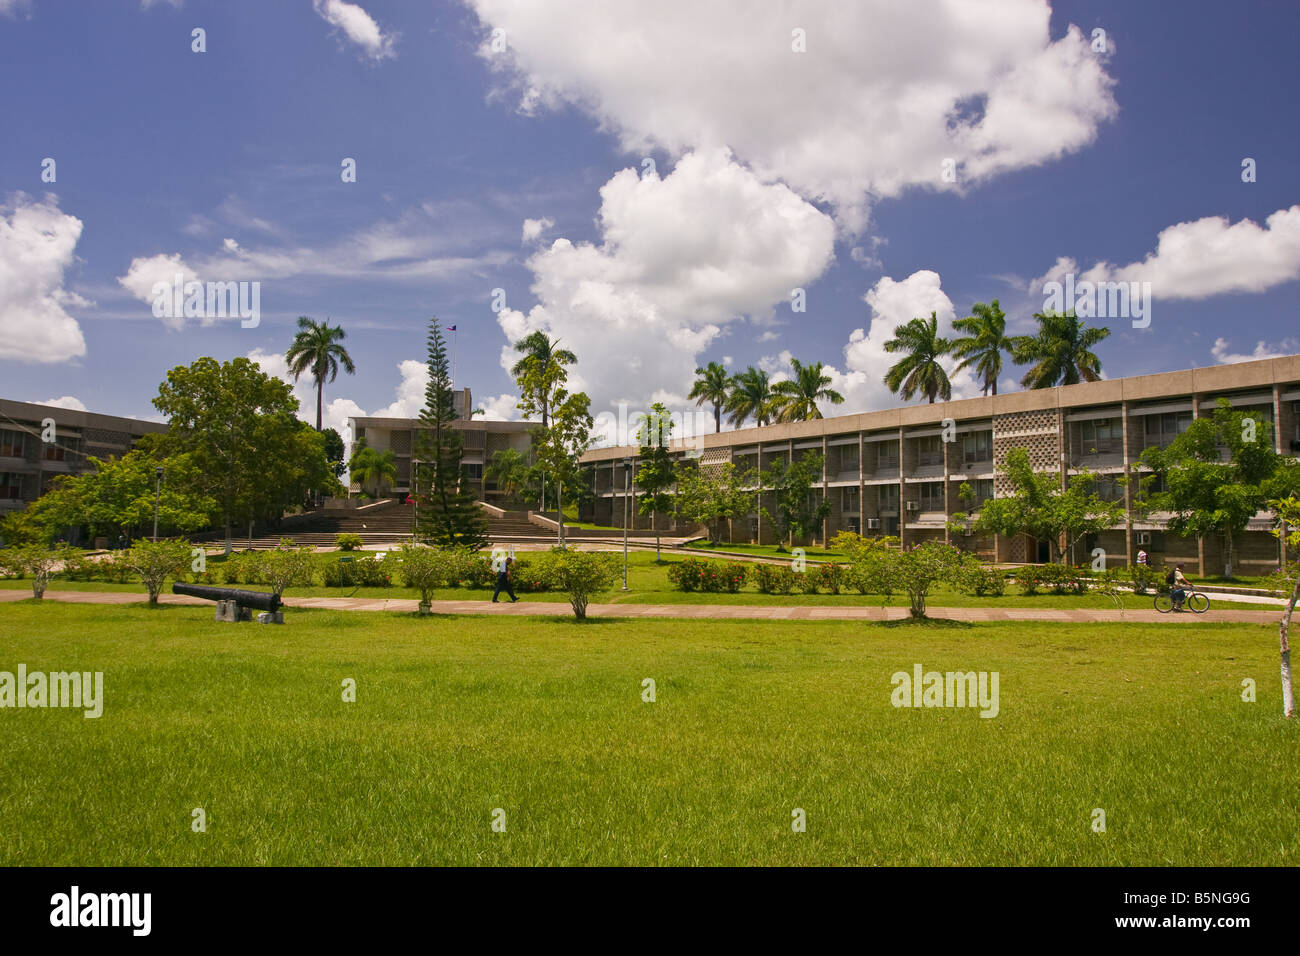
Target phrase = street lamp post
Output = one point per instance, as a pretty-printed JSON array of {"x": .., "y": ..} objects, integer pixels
[
  {"x": 156, "y": 496},
  {"x": 627, "y": 490}
]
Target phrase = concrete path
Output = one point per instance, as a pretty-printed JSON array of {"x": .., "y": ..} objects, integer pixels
[{"x": 741, "y": 612}]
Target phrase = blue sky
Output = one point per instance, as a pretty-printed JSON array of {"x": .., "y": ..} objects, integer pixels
[{"x": 774, "y": 169}]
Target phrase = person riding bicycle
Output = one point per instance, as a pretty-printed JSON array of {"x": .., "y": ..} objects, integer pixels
[{"x": 1178, "y": 586}]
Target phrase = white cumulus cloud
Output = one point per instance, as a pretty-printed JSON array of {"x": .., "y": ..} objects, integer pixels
[
  {"x": 38, "y": 244},
  {"x": 680, "y": 258},
  {"x": 533, "y": 228},
  {"x": 856, "y": 117},
  {"x": 66, "y": 401},
  {"x": 1262, "y": 351},
  {"x": 358, "y": 26}
]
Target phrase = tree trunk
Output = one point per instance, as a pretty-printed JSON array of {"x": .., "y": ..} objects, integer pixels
[
  {"x": 717, "y": 419},
  {"x": 1288, "y": 695},
  {"x": 1227, "y": 553},
  {"x": 559, "y": 507},
  {"x": 230, "y": 544},
  {"x": 320, "y": 392}
]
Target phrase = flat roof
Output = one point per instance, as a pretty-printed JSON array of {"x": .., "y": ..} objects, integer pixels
[{"x": 75, "y": 418}]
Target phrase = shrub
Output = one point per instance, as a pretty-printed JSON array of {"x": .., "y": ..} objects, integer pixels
[
  {"x": 915, "y": 571},
  {"x": 425, "y": 569},
  {"x": 732, "y": 575},
  {"x": 38, "y": 561},
  {"x": 688, "y": 574},
  {"x": 361, "y": 572},
  {"x": 529, "y": 574},
  {"x": 1144, "y": 578},
  {"x": 856, "y": 546},
  {"x": 79, "y": 567},
  {"x": 479, "y": 573},
  {"x": 580, "y": 574},
  {"x": 833, "y": 577},
  {"x": 975, "y": 578},
  {"x": 287, "y": 566},
  {"x": 347, "y": 541},
  {"x": 774, "y": 578},
  {"x": 155, "y": 561},
  {"x": 1029, "y": 578}
]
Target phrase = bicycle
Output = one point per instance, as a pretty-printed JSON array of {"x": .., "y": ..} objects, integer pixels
[{"x": 1194, "y": 601}]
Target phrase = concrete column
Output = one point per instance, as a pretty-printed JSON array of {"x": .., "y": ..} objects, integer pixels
[
  {"x": 825, "y": 486},
  {"x": 1129, "y": 554},
  {"x": 862, "y": 488}
]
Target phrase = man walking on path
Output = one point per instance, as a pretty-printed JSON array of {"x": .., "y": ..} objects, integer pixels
[{"x": 503, "y": 580}]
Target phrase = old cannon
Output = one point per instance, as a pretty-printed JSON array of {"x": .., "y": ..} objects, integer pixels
[{"x": 234, "y": 604}]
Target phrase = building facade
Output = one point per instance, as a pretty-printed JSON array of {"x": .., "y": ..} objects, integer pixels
[
  {"x": 29, "y": 462},
  {"x": 892, "y": 473},
  {"x": 482, "y": 439}
]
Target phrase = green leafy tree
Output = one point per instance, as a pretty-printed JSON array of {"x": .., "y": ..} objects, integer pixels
[
  {"x": 751, "y": 397},
  {"x": 248, "y": 451},
  {"x": 156, "y": 561},
  {"x": 38, "y": 561},
  {"x": 713, "y": 385},
  {"x": 580, "y": 575},
  {"x": 1060, "y": 352},
  {"x": 446, "y": 512},
  {"x": 334, "y": 451},
  {"x": 714, "y": 495},
  {"x": 799, "y": 510},
  {"x": 426, "y": 569},
  {"x": 655, "y": 473},
  {"x": 1216, "y": 475},
  {"x": 920, "y": 370},
  {"x": 371, "y": 467},
  {"x": 916, "y": 571},
  {"x": 559, "y": 447},
  {"x": 317, "y": 348},
  {"x": 541, "y": 373},
  {"x": 797, "y": 397},
  {"x": 984, "y": 338},
  {"x": 1037, "y": 506},
  {"x": 508, "y": 469},
  {"x": 118, "y": 496}
]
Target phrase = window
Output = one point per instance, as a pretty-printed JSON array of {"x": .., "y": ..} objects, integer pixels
[
  {"x": 887, "y": 455},
  {"x": 888, "y": 497},
  {"x": 848, "y": 458},
  {"x": 11, "y": 485},
  {"x": 1101, "y": 430},
  {"x": 472, "y": 472},
  {"x": 12, "y": 443},
  {"x": 63, "y": 450},
  {"x": 981, "y": 491},
  {"x": 929, "y": 451},
  {"x": 1163, "y": 429},
  {"x": 932, "y": 496},
  {"x": 977, "y": 446},
  {"x": 1109, "y": 487},
  {"x": 849, "y": 500}
]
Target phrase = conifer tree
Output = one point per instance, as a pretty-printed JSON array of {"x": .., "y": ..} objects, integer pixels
[{"x": 447, "y": 513}]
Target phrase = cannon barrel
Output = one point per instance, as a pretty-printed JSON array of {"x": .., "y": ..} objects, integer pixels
[{"x": 255, "y": 599}]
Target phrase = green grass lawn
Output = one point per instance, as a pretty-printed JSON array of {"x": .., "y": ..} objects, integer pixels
[
  {"x": 648, "y": 584},
  {"x": 812, "y": 555},
  {"x": 544, "y": 719}
]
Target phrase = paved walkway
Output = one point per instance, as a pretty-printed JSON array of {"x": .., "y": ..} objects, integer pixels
[{"x": 741, "y": 612}]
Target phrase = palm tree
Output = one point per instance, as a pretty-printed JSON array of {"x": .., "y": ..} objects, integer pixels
[
  {"x": 369, "y": 466},
  {"x": 713, "y": 385},
  {"x": 983, "y": 344},
  {"x": 543, "y": 361},
  {"x": 509, "y": 470},
  {"x": 920, "y": 370},
  {"x": 1061, "y": 351},
  {"x": 797, "y": 397},
  {"x": 316, "y": 349},
  {"x": 751, "y": 397}
]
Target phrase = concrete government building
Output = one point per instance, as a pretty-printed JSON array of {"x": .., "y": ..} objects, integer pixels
[
  {"x": 28, "y": 464},
  {"x": 890, "y": 472}
]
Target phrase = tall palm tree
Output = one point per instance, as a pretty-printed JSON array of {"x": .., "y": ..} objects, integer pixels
[
  {"x": 751, "y": 397},
  {"x": 797, "y": 397},
  {"x": 1061, "y": 351},
  {"x": 983, "y": 344},
  {"x": 920, "y": 369},
  {"x": 369, "y": 466},
  {"x": 546, "y": 360},
  {"x": 317, "y": 349},
  {"x": 713, "y": 385}
]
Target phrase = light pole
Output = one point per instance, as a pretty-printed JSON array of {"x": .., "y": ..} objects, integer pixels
[
  {"x": 157, "y": 494},
  {"x": 627, "y": 490}
]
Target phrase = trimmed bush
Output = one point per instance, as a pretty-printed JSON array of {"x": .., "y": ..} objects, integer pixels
[
  {"x": 833, "y": 577},
  {"x": 347, "y": 541},
  {"x": 774, "y": 578},
  {"x": 974, "y": 578},
  {"x": 688, "y": 574},
  {"x": 580, "y": 574}
]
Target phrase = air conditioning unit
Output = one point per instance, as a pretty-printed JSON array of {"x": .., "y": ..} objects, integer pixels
[
  {"x": 873, "y": 524},
  {"x": 914, "y": 506},
  {"x": 1144, "y": 537}
]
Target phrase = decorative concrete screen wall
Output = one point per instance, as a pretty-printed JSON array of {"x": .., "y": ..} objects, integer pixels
[{"x": 1037, "y": 431}]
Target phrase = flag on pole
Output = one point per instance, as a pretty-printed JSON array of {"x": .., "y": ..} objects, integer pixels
[{"x": 451, "y": 328}]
